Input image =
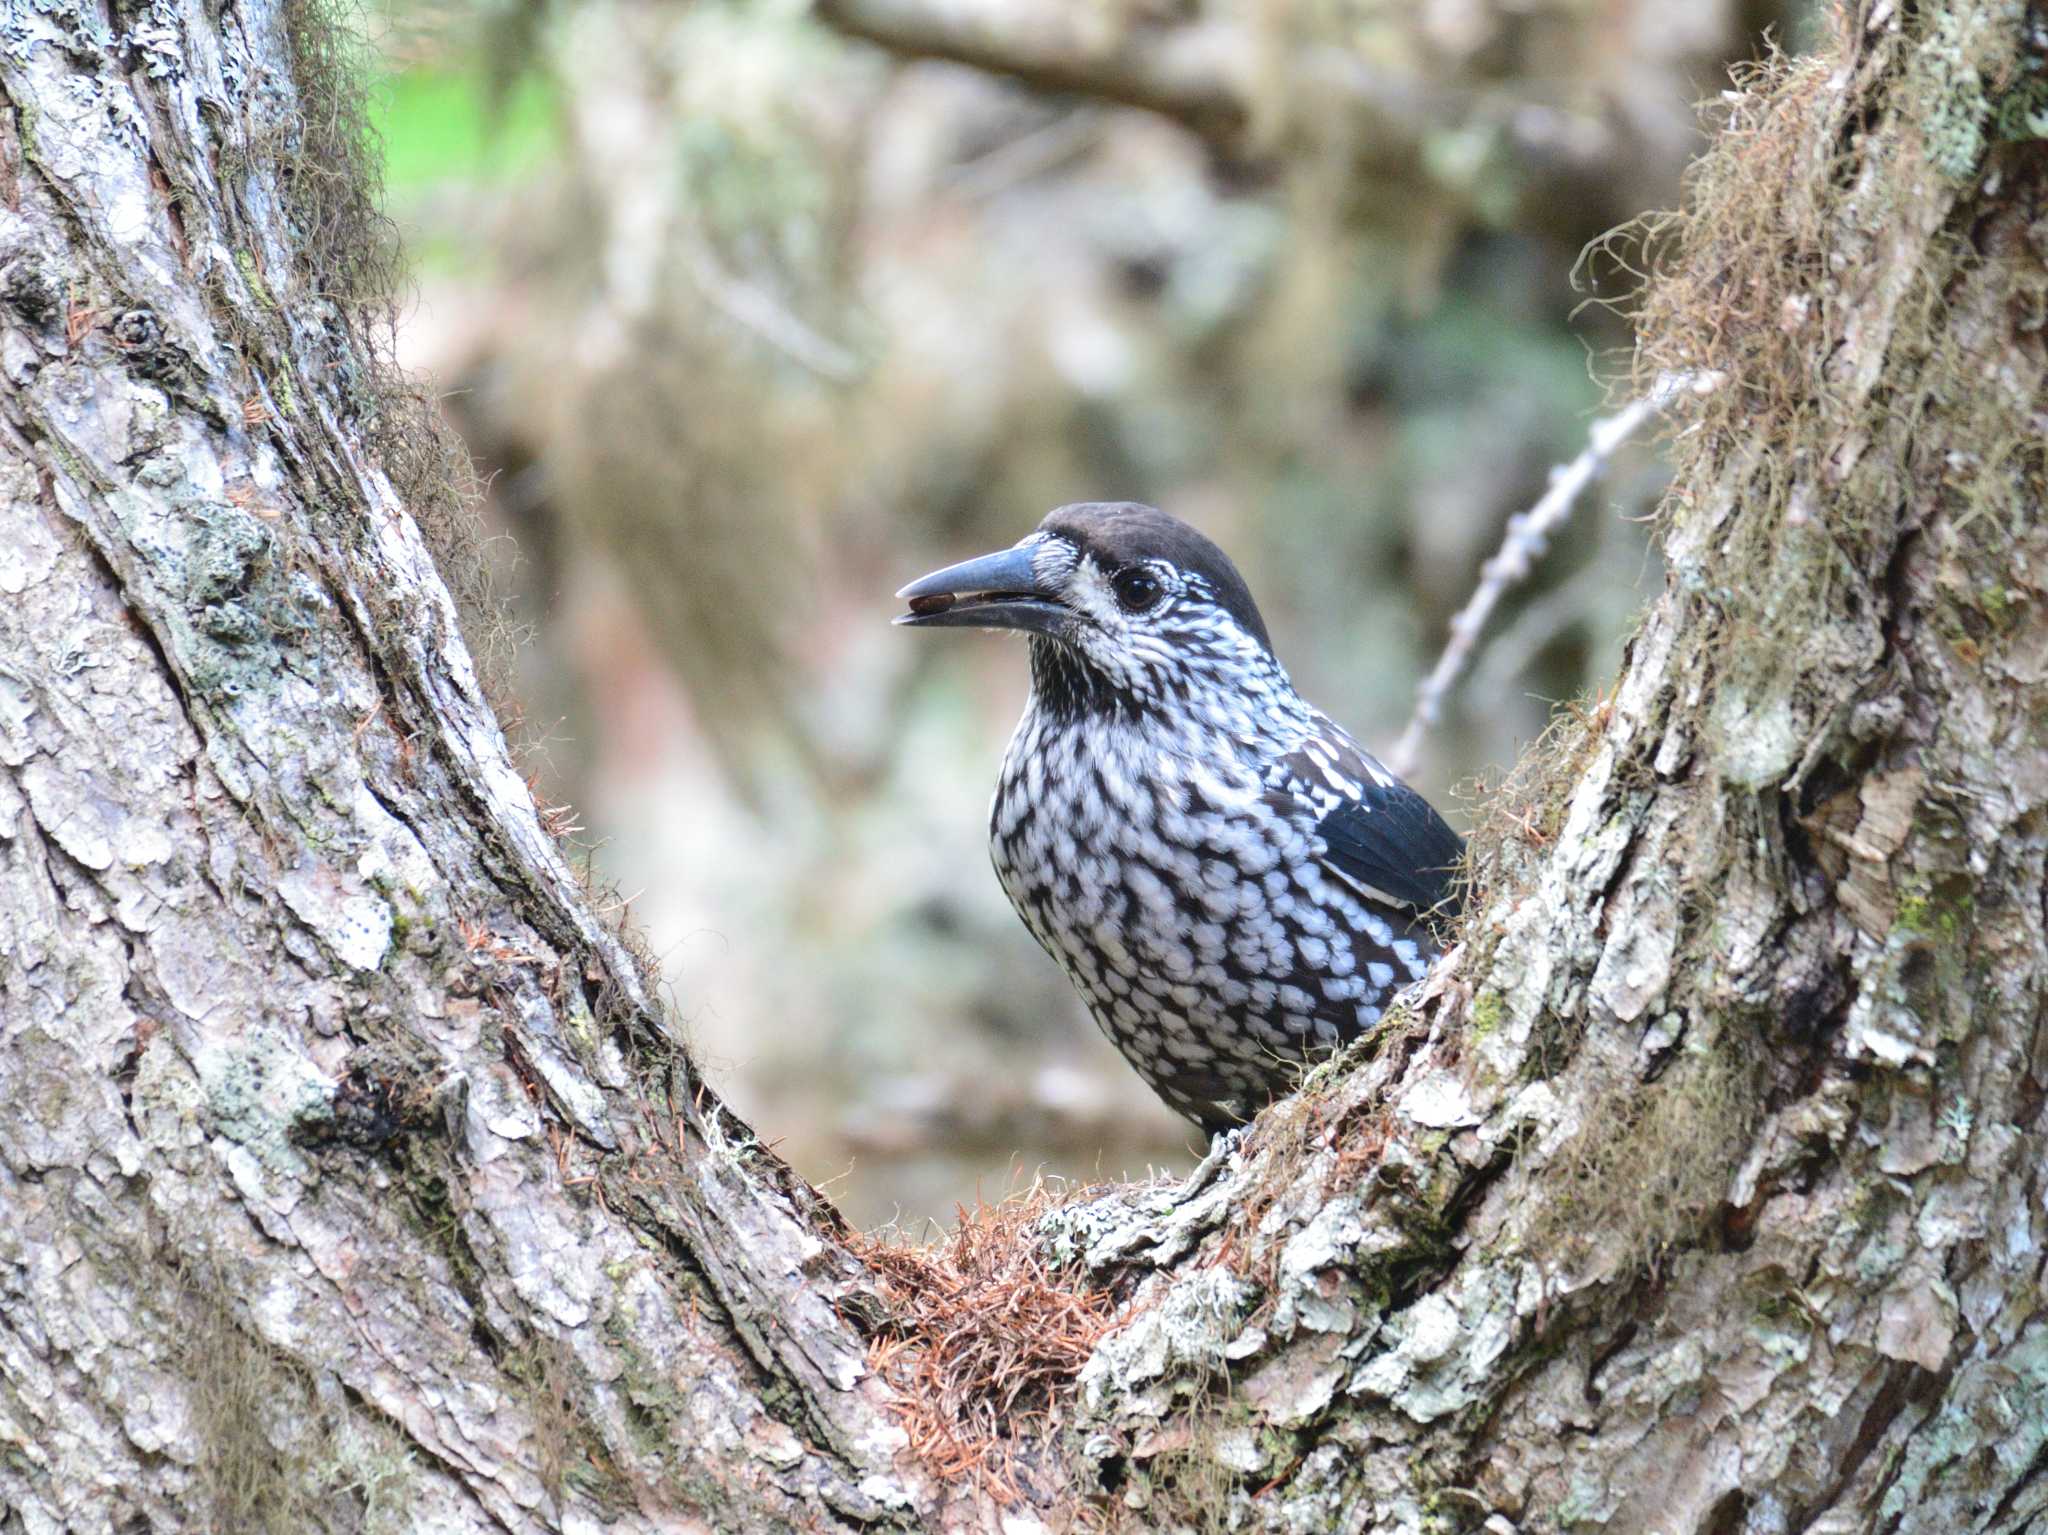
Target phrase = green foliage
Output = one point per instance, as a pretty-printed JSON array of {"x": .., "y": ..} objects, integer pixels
[{"x": 442, "y": 124}]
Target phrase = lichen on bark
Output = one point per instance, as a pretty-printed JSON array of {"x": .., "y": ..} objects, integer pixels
[{"x": 1695, "y": 1191}]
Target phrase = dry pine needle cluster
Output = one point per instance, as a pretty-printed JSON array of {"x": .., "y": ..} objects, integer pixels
[{"x": 983, "y": 1334}]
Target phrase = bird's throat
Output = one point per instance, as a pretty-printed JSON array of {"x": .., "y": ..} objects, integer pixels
[{"x": 1069, "y": 687}]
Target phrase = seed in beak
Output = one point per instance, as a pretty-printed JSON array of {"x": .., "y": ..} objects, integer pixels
[{"x": 938, "y": 602}]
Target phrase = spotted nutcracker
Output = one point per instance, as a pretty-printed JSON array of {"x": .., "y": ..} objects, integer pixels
[{"x": 1234, "y": 885}]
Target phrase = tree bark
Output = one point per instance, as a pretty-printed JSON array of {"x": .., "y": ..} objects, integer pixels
[
  {"x": 352, "y": 1179},
  {"x": 351, "y": 1175}
]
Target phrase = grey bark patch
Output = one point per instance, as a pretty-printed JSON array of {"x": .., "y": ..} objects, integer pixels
[{"x": 350, "y": 918}]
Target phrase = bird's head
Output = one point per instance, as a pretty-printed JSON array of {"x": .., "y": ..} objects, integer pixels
[{"x": 1128, "y": 608}]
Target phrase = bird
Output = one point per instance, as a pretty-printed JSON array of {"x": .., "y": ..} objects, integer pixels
[{"x": 1236, "y": 888}]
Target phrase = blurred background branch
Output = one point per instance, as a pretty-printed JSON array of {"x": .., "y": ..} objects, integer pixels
[
  {"x": 1258, "y": 92},
  {"x": 1527, "y": 540},
  {"x": 1186, "y": 71},
  {"x": 746, "y": 318}
]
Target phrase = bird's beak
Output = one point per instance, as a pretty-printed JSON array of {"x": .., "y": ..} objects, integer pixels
[{"x": 997, "y": 591}]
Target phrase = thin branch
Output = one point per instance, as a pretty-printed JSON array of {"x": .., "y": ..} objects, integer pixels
[
  {"x": 1215, "y": 76},
  {"x": 1528, "y": 535},
  {"x": 1033, "y": 154},
  {"x": 753, "y": 307},
  {"x": 1185, "y": 72},
  {"x": 1507, "y": 655}
]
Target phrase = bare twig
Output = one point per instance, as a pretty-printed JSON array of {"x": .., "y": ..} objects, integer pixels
[
  {"x": 760, "y": 312},
  {"x": 1203, "y": 72},
  {"x": 1493, "y": 670},
  {"x": 1528, "y": 535},
  {"x": 1032, "y": 154},
  {"x": 1185, "y": 72}
]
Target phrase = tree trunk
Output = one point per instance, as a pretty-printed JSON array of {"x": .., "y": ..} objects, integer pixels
[{"x": 352, "y": 1179}]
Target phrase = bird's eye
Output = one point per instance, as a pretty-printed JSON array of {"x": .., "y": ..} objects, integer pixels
[{"x": 1136, "y": 588}]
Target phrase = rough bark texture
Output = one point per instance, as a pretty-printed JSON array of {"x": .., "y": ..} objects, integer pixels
[
  {"x": 339, "y": 1180},
  {"x": 350, "y": 1177}
]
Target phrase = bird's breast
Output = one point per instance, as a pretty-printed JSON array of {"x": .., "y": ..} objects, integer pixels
[{"x": 1128, "y": 858}]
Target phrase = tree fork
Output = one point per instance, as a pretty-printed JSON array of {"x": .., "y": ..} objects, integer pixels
[{"x": 351, "y": 1178}]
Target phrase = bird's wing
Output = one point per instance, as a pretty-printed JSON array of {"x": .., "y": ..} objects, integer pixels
[{"x": 1380, "y": 835}]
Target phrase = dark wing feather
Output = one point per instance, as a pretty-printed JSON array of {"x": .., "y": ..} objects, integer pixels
[
  {"x": 1379, "y": 832},
  {"x": 1391, "y": 839}
]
